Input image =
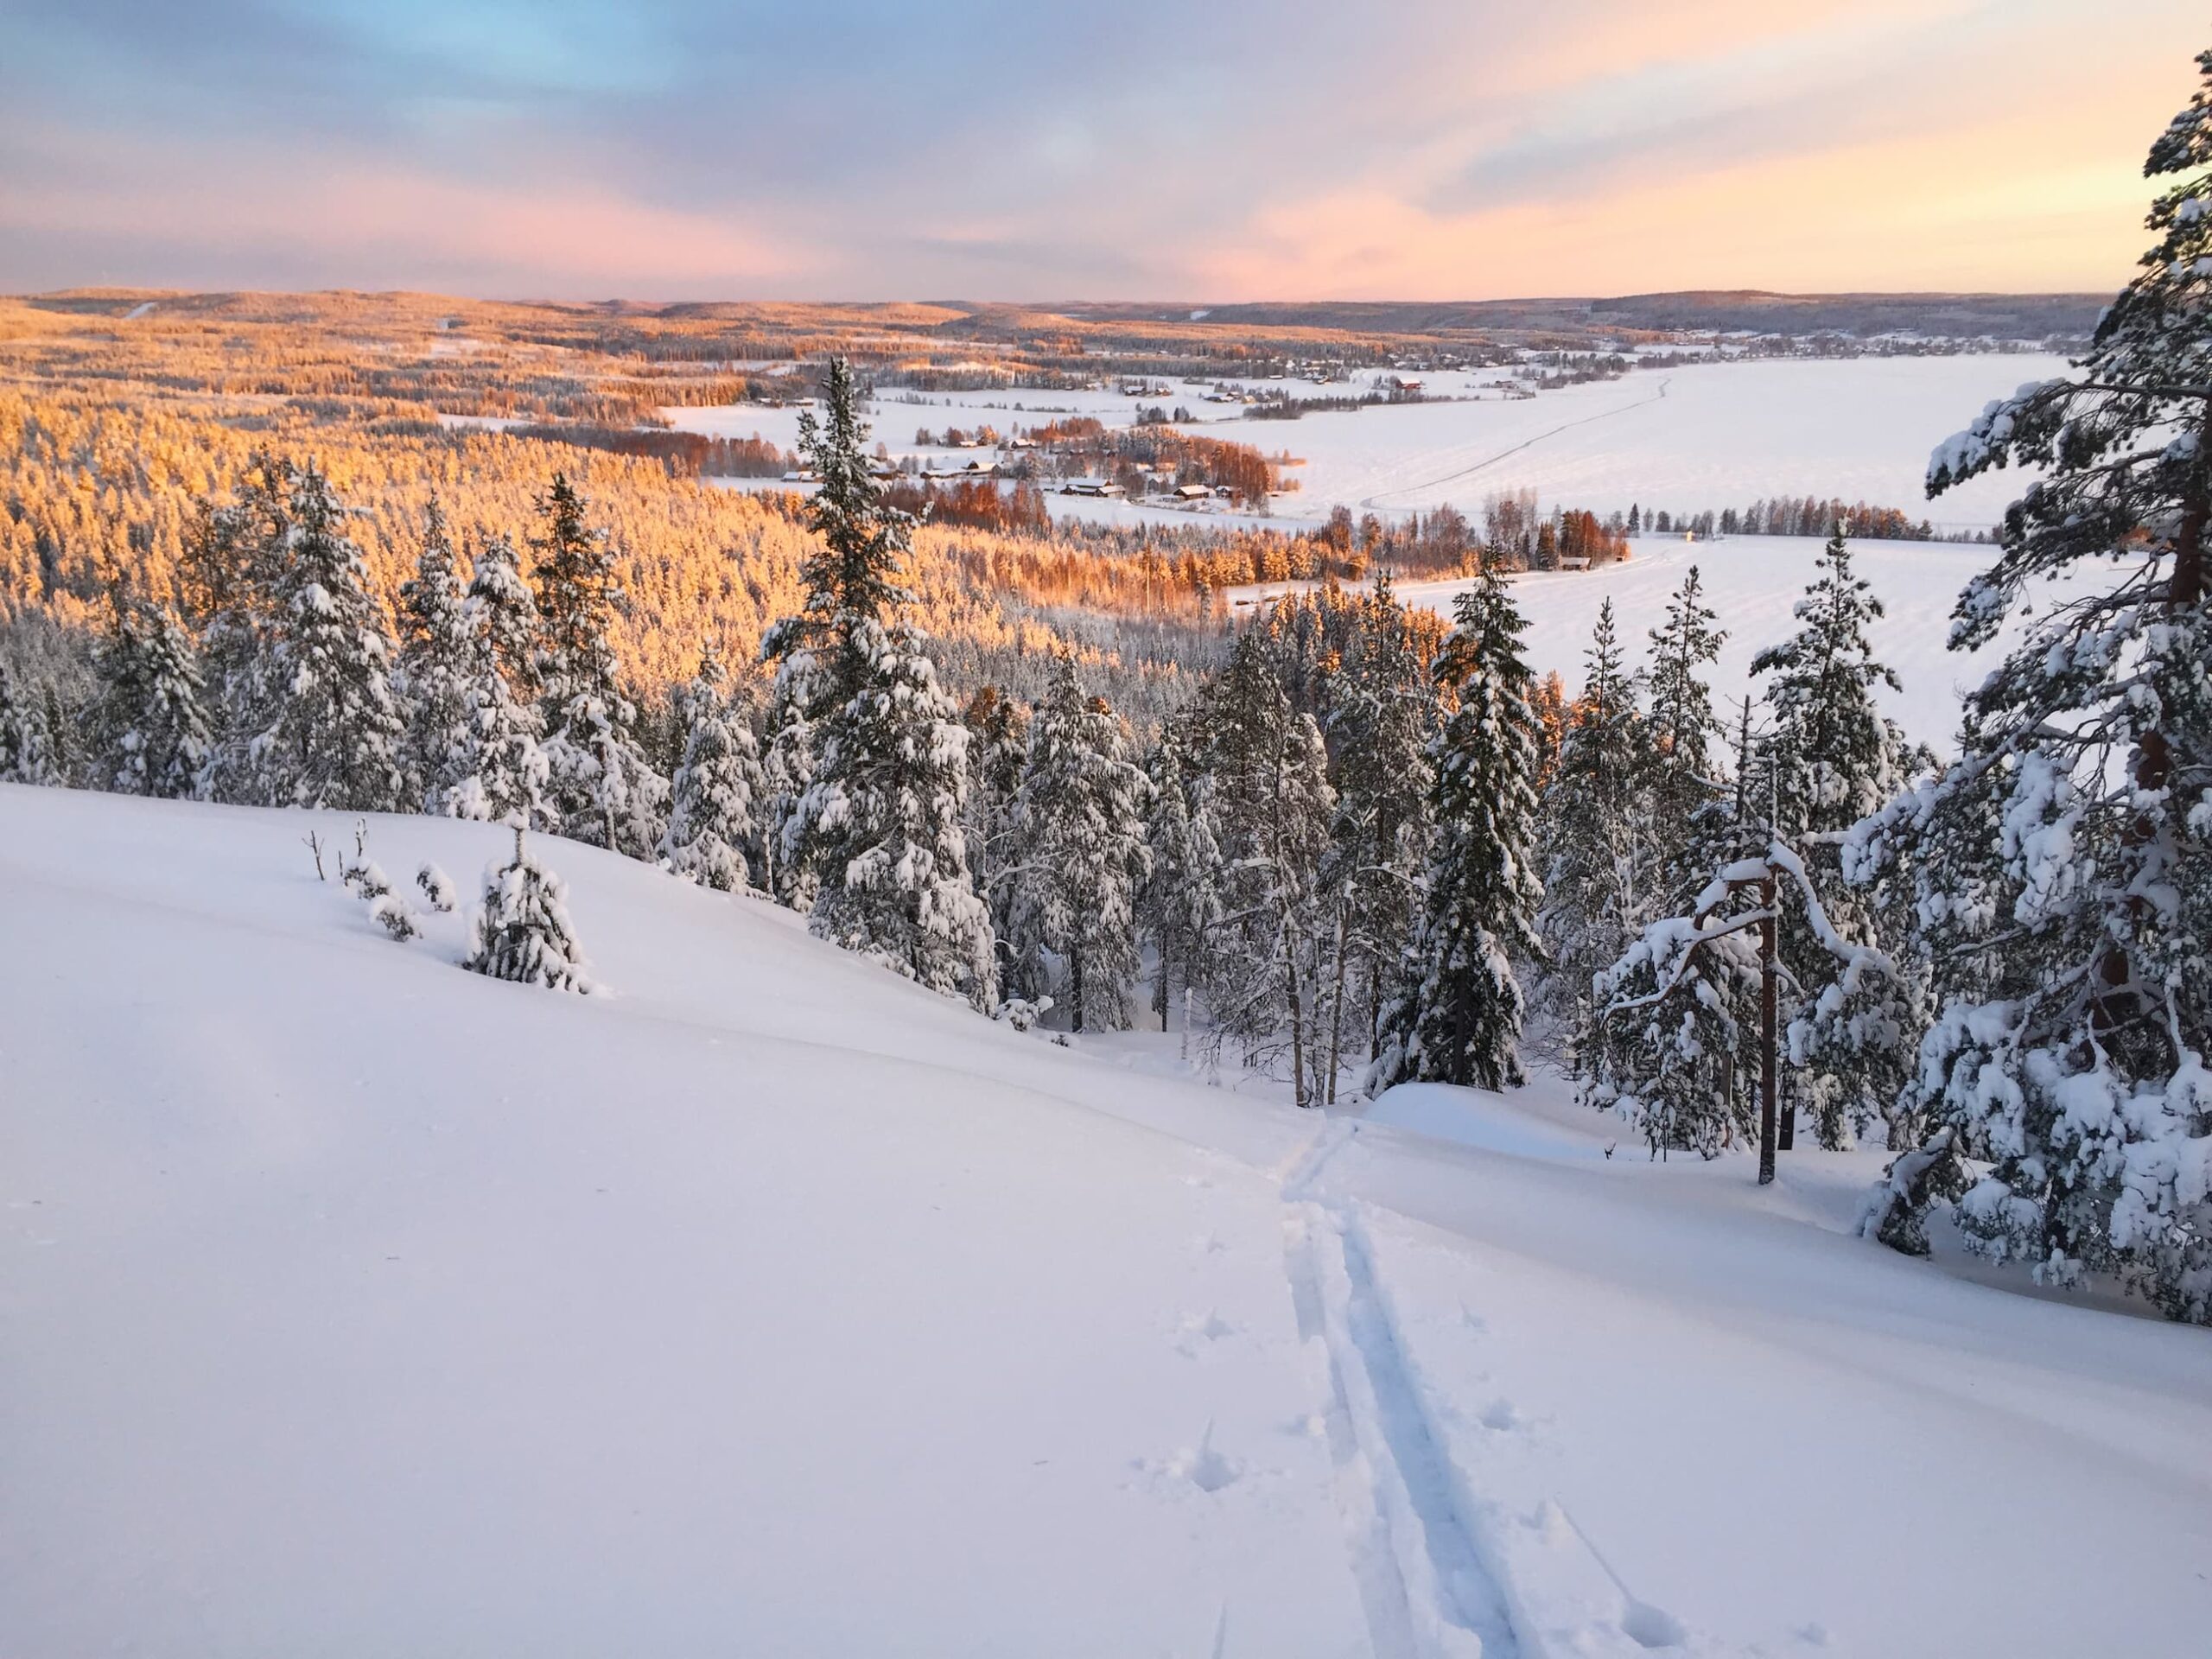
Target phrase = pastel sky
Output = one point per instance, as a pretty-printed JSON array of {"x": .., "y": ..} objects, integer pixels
[{"x": 1211, "y": 150}]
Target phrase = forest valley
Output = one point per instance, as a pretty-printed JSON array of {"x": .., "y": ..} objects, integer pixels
[{"x": 1045, "y": 773}]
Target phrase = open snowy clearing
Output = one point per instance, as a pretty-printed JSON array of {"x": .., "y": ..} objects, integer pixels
[
  {"x": 1716, "y": 435},
  {"x": 353, "y": 1303},
  {"x": 1752, "y": 582}
]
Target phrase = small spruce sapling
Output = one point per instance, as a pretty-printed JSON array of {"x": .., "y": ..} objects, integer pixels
[{"x": 522, "y": 931}]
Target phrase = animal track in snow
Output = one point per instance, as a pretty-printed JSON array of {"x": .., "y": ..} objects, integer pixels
[
  {"x": 1503, "y": 1416},
  {"x": 1203, "y": 1467},
  {"x": 1200, "y": 1330}
]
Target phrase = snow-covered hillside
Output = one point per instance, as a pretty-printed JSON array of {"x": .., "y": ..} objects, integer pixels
[{"x": 352, "y": 1304}]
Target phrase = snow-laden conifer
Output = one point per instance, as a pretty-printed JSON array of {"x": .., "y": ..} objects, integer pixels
[
  {"x": 1598, "y": 828},
  {"x": 1079, "y": 826},
  {"x": 713, "y": 832},
  {"x": 884, "y": 818},
  {"x": 2063, "y": 864},
  {"x": 1383, "y": 714},
  {"x": 998, "y": 748},
  {"x": 151, "y": 734},
  {"x": 435, "y": 674},
  {"x": 1180, "y": 899},
  {"x": 521, "y": 930},
  {"x": 1269, "y": 791},
  {"x": 828, "y": 650},
  {"x": 601, "y": 787},
  {"x": 1457, "y": 1013},
  {"x": 333, "y": 740},
  {"x": 504, "y": 775},
  {"x": 1830, "y": 758}
]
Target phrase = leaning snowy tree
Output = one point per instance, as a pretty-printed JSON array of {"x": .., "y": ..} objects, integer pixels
[
  {"x": 1456, "y": 1011},
  {"x": 2063, "y": 863},
  {"x": 1832, "y": 757},
  {"x": 1670, "y": 976},
  {"x": 602, "y": 789},
  {"x": 1078, "y": 824},
  {"x": 1685, "y": 1068},
  {"x": 711, "y": 821},
  {"x": 521, "y": 931}
]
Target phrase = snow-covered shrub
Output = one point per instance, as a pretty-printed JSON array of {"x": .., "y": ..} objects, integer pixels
[
  {"x": 1020, "y": 1013},
  {"x": 367, "y": 881},
  {"x": 392, "y": 912},
  {"x": 437, "y": 888}
]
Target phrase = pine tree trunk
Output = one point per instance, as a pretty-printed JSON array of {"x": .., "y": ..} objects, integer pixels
[
  {"x": 1075, "y": 984},
  {"x": 1166, "y": 980},
  {"x": 1297, "y": 1014},
  {"x": 1336, "y": 1011}
]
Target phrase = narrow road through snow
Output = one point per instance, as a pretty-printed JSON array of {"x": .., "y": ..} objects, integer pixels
[{"x": 1376, "y": 499}]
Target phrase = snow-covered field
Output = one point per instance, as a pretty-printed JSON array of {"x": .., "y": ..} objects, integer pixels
[
  {"x": 1752, "y": 583},
  {"x": 1714, "y": 435},
  {"x": 350, "y": 1304}
]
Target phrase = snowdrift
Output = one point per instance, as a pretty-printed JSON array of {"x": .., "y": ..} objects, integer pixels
[{"x": 350, "y": 1303}]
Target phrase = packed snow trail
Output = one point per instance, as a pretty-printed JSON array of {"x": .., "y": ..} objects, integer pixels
[
  {"x": 1488, "y": 461},
  {"x": 1426, "y": 1592}
]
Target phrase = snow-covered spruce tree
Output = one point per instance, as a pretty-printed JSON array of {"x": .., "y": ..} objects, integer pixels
[
  {"x": 503, "y": 774},
  {"x": 712, "y": 832},
  {"x": 601, "y": 788},
  {"x": 150, "y": 731},
  {"x": 1455, "y": 1016},
  {"x": 436, "y": 675},
  {"x": 522, "y": 931},
  {"x": 334, "y": 741},
  {"x": 503, "y": 616},
  {"x": 1681, "y": 732},
  {"x": 1268, "y": 789},
  {"x": 2062, "y": 863},
  {"x": 1831, "y": 757},
  {"x": 1180, "y": 901},
  {"x": 1383, "y": 717},
  {"x": 1079, "y": 822},
  {"x": 854, "y": 585},
  {"x": 1596, "y": 822},
  {"x": 884, "y": 815}
]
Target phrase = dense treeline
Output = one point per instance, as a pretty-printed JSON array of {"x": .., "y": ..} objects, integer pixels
[
  {"x": 1787, "y": 515},
  {"x": 692, "y": 454}
]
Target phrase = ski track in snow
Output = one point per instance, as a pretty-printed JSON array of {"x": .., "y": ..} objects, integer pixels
[
  {"x": 1488, "y": 461},
  {"x": 1423, "y": 1583},
  {"x": 1446, "y": 1568}
]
